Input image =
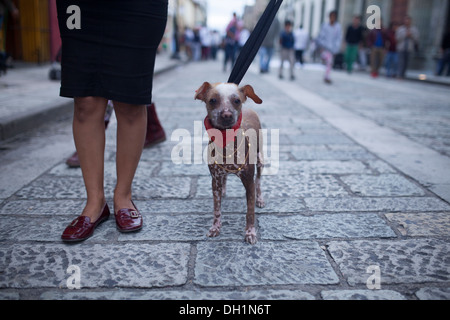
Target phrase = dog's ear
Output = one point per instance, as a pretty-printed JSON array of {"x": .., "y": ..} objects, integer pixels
[
  {"x": 200, "y": 94},
  {"x": 248, "y": 91}
]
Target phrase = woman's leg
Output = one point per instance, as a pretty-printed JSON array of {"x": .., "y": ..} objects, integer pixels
[
  {"x": 131, "y": 130},
  {"x": 89, "y": 137}
]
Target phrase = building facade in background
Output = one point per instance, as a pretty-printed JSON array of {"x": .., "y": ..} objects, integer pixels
[{"x": 34, "y": 37}]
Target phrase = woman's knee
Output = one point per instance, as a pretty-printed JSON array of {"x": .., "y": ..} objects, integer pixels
[
  {"x": 89, "y": 108},
  {"x": 129, "y": 112}
]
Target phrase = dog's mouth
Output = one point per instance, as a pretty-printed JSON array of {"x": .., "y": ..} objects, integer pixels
[{"x": 226, "y": 123}]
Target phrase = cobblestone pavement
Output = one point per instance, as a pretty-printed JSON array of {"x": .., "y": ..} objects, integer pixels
[{"x": 344, "y": 218}]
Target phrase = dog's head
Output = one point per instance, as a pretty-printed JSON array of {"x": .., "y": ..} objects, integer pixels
[{"x": 224, "y": 102}]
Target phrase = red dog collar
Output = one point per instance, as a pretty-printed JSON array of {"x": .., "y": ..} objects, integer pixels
[{"x": 226, "y": 138}]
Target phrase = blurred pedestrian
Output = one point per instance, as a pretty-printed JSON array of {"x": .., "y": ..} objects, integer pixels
[
  {"x": 287, "y": 49},
  {"x": 445, "y": 52},
  {"x": 231, "y": 41},
  {"x": 329, "y": 42},
  {"x": 6, "y": 6},
  {"x": 363, "y": 52},
  {"x": 391, "y": 61},
  {"x": 353, "y": 38},
  {"x": 267, "y": 47},
  {"x": 196, "y": 45},
  {"x": 215, "y": 43},
  {"x": 301, "y": 39},
  {"x": 377, "y": 42},
  {"x": 96, "y": 69},
  {"x": 205, "y": 40},
  {"x": 407, "y": 37},
  {"x": 188, "y": 40}
]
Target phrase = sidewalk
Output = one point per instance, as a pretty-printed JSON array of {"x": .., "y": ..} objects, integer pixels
[
  {"x": 28, "y": 98},
  {"x": 351, "y": 214}
]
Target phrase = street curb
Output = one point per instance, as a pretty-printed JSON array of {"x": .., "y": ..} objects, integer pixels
[
  {"x": 14, "y": 125},
  {"x": 20, "y": 123}
]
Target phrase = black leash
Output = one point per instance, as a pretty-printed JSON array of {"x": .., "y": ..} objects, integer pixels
[{"x": 251, "y": 47}]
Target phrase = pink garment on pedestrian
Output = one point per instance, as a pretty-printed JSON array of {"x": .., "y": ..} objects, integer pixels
[{"x": 328, "y": 57}]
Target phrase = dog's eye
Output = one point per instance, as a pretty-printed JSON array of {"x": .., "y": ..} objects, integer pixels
[
  {"x": 212, "y": 101},
  {"x": 237, "y": 101}
]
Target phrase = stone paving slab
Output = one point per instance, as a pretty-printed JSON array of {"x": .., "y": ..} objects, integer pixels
[
  {"x": 361, "y": 295},
  {"x": 145, "y": 168},
  {"x": 72, "y": 207},
  {"x": 324, "y": 152},
  {"x": 47, "y": 187},
  {"x": 205, "y": 205},
  {"x": 274, "y": 263},
  {"x": 298, "y": 186},
  {"x": 332, "y": 138},
  {"x": 52, "y": 207},
  {"x": 421, "y": 224},
  {"x": 433, "y": 294},
  {"x": 390, "y": 185},
  {"x": 258, "y": 294},
  {"x": 127, "y": 265},
  {"x": 379, "y": 204},
  {"x": 322, "y": 167},
  {"x": 400, "y": 261},
  {"x": 336, "y": 225}
]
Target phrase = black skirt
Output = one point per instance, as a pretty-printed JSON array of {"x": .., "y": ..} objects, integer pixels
[{"x": 112, "y": 53}]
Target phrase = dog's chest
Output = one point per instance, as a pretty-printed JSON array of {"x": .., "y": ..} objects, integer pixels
[{"x": 229, "y": 160}]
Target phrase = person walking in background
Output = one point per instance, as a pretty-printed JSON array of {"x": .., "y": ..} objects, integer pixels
[
  {"x": 205, "y": 41},
  {"x": 267, "y": 47},
  {"x": 6, "y": 6},
  {"x": 196, "y": 45},
  {"x": 95, "y": 70},
  {"x": 363, "y": 52},
  {"x": 301, "y": 39},
  {"x": 215, "y": 44},
  {"x": 231, "y": 41},
  {"x": 188, "y": 40},
  {"x": 353, "y": 38},
  {"x": 329, "y": 41},
  {"x": 445, "y": 52},
  {"x": 287, "y": 49},
  {"x": 377, "y": 42},
  {"x": 407, "y": 37},
  {"x": 392, "y": 55}
]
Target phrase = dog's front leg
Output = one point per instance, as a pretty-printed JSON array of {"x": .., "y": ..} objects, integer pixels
[
  {"x": 249, "y": 184},
  {"x": 218, "y": 180}
]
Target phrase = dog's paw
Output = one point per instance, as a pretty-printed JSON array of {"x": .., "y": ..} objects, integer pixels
[
  {"x": 214, "y": 231},
  {"x": 260, "y": 203},
  {"x": 250, "y": 236}
]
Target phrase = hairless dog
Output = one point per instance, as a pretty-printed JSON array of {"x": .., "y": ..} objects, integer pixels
[{"x": 235, "y": 147}]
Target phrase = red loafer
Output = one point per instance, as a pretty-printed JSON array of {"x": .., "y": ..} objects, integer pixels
[
  {"x": 81, "y": 228},
  {"x": 128, "y": 220}
]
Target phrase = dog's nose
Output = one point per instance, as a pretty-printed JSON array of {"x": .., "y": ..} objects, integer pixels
[{"x": 226, "y": 115}]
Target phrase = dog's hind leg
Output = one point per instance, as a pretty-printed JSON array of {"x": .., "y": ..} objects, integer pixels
[{"x": 259, "y": 168}]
